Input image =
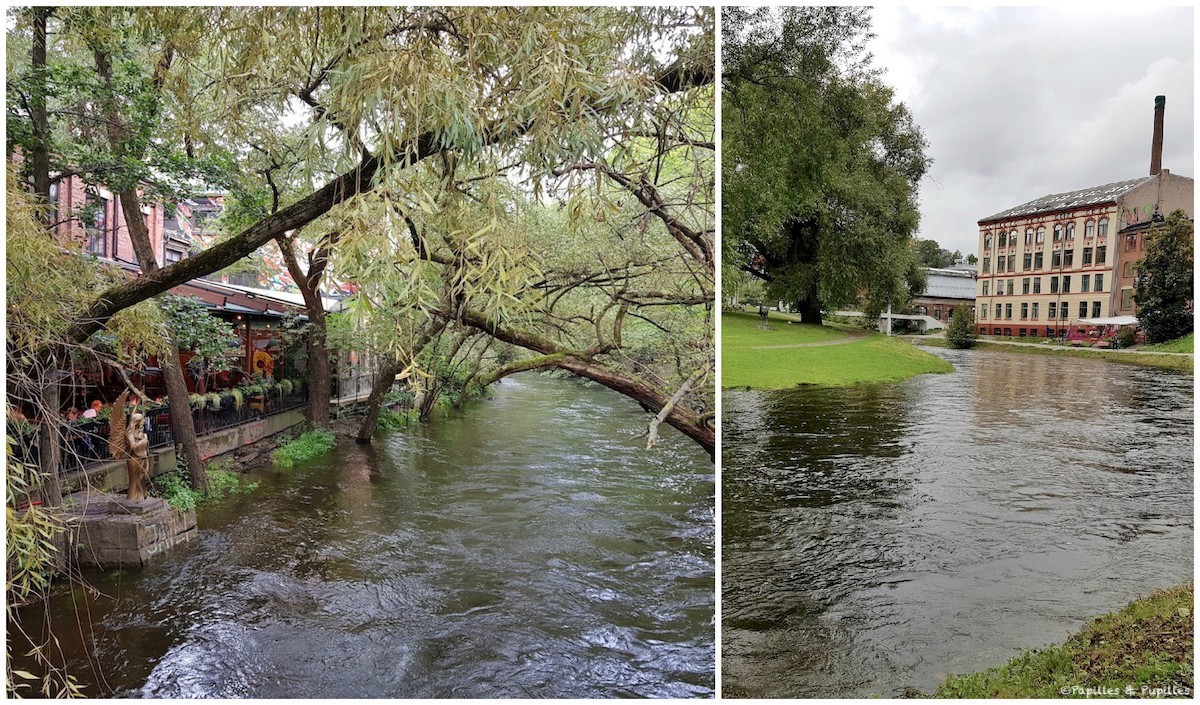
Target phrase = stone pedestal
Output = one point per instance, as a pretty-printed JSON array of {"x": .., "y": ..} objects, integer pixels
[{"x": 107, "y": 531}]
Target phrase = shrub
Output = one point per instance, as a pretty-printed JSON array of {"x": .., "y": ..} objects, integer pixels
[
  {"x": 1125, "y": 337},
  {"x": 390, "y": 420},
  {"x": 213, "y": 400},
  {"x": 238, "y": 398},
  {"x": 286, "y": 386},
  {"x": 309, "y": 445},
  {"x": 958, "y": 333}
]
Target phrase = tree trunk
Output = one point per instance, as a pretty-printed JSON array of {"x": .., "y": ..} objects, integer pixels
[
  {"x": 809, "y": 307},
  {"x": 387, "y": 378},
  {"x": 49, "y": 440},
  {"x": 379, "y": 389},
  {"x": 40, "y": 153},
  {"x": 320, "y": 373},
  {"x": 182, "y": 425}
]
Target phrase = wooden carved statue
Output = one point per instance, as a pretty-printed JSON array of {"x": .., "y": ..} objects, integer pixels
[{"x": 129, "y": 443}]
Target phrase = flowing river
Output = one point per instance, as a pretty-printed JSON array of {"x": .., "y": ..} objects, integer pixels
[
  {"x": 525, "y": 547},
  {"x": 881, "y": 537}
]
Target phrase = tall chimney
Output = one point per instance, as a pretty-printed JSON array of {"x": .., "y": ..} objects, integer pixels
[{"x": 1160, "y": 104}]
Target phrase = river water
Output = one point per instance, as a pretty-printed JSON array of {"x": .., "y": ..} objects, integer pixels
[
  {"x": 881, "y": 537},
  {"x": 526, "y": 547}
]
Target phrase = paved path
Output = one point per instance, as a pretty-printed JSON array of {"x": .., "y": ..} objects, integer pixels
[{"x": 917, "y": 338}]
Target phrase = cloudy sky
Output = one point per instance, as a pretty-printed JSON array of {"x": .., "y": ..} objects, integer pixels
[{"x": 1021, "y": 102}]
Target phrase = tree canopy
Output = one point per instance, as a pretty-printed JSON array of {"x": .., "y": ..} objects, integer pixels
[
  {"x": 821, "y": 165},
  {"x": 542, "y": 174},
  {"x": 1164, "y": 292}
]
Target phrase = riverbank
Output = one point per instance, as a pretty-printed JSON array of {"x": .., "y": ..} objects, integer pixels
[
  {"x": 1177, "y": 362},
  {"x": 790, "y": 353},
  {"x": 1143, "y": 650}
]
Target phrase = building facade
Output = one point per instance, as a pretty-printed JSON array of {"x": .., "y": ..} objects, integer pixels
[
  {"x": 945, "y": 290},
  {"x": 1048, "y": 263}
]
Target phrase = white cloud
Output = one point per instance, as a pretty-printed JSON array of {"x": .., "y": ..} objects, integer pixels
[{"x": 1021, "y": 102}]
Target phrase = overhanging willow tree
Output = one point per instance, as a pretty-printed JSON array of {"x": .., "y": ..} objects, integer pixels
[
  {"x": 350, "y": 104},
  {"x": 821, "y": 166}
]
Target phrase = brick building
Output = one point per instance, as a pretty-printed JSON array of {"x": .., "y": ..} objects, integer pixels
[{"x": 1048, "y": 263}]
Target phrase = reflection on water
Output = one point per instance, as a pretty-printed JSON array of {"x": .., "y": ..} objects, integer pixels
[
  {"x": 882, "y": 537},
  {"x": 528, "y": 547}
]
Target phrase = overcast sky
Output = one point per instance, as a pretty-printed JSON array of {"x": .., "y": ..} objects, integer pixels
[{"x": 1021, "y": 102}]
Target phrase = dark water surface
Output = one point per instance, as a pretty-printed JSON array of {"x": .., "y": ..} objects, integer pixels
[
  {"x": 884, "y": 536},
  {"x": 526, "y": 547}
]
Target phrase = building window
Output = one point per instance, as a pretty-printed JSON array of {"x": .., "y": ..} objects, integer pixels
[
  {"x": 1087, "y": 256},
  {"x": 1028, "y": 262},
  {"x": 997, "y": 310},
  {"x": 987, "y": 241},
  {"x": 1101, "y": 250},
  {"x": 1028, "y": 236},
  {"x": 1068, "y": 258},
  {"x": 1083, "y": 309},
  {"x": 1034, "y": 313},
  {"x": 1012, "y": 263},
  {"x": 1010, "y": 287},
  {"x": 1103, "y": 227},
  {"x": 1024, "y": 311},
  {"x": 1089, "y": 228},
  {"x": 1025, "y": 285},
  {"x": 1057, "y": 233},
  {"x": 983, "y": 311},
  {"x": 97, "y": 234},
  {"x": 1127, "y": 269},
  {"x": 987, "y": 264},
  {"x": 1000, "y": 263},
  {"x": 1070, "y": 231},
  {"x": 1050, "y": 311},
  {"x": 1062, "y": 313},
  {"x": 1056, "y": 259},
  {"x": 1012, "y": 238},
  {"x": 1099, "y": 282},
  {"x": 1095, "y": 309},
  {"x": 1038, "y": 260},
  {"x": 172, "y": 256},
  {"x": 1087, "y": 279},
  {"x": 1130, "y": 242},
  {"x": 985, "y": 288},
  {"x": 1053, "y": 285},
  {"x": 1037, "y": 285},
  {"x": 1066, "y": 284},
  {"x": 1008, "y": 311},
  {"x": 1126, "y": 298}
]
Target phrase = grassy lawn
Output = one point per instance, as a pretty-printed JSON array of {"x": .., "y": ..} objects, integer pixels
[
  {"x": 1166, "y": 362},
  {"x": 871, "y": 358},
  {"x": 1186, "y": 344},
  {"x": 1146, "y": 645}
]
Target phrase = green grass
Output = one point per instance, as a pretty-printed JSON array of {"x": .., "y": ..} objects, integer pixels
[
  {"x": 1179, "y": 363},
  {"x": 309, "y": 445},
  {"x": 1146, "y": 645},
  {"x": 1186, "y": 344},
  {"x": 870, "y": 358},
  {"x": 222, "y": 482}
]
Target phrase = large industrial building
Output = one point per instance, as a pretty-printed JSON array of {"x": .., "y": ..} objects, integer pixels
[{"x": 1047, "y": 265}]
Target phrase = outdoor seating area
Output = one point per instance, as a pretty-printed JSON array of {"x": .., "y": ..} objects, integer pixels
[{"x": 85, "y": 440}]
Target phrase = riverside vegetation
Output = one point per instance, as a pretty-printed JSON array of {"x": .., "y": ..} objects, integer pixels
[{"x": 1144, "y": 649}]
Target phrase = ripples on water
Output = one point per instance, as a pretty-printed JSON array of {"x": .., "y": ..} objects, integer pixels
[
  {"x": 884, "y": 536},
  {"x": 528, "y": 547}
]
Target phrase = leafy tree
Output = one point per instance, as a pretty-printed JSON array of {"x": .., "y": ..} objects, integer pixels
[
  {"x": 930, "y": 254},
  {"x": 1165, "y": 278},
  {"x": 960, "y": 334},
  {"x": 821, "y": 166},
  {"x": 972, "y": 260}
]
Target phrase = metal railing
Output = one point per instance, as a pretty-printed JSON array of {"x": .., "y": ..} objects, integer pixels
[{"x": 84, "y": 443}]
